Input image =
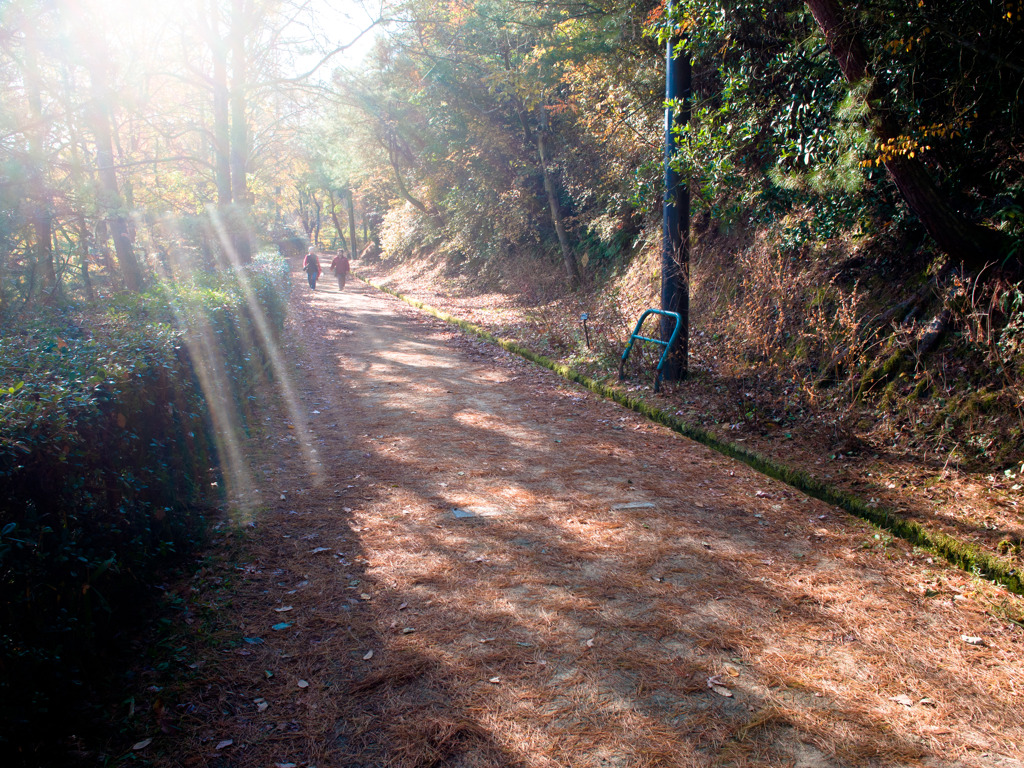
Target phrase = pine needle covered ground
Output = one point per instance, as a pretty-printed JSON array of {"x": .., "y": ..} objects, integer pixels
[{"x": 607, "y": 593}]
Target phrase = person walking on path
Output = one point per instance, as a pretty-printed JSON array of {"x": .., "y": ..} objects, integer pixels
[
  {"x": 311, "y": 266},
  {"x": 340, "y": 266}
]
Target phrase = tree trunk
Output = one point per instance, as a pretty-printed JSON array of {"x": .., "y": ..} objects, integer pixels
[
  {"x": 42, "y": 224},
  {"x": 317, "y": 207},
  {"x": 111, "y": 203},
  {"x": 40, "y": 213},
  {"x": 334, "y": 217},
  {"x": 404, "y": 192},
  {"x": 352, "y": 222},
  {"x": 307, "y": 222},
  {"x": 572, "y": 269},
  {"x": 239, "y": 132},
  {"x": 962, "y": 240},
  {"x": 101, "y": 239},
  {"x": 79, "y": 150},
  {"x": 83, "y": 255},
  {"x": 215, "y": 38},
  {"x": 221, "y": 120}
]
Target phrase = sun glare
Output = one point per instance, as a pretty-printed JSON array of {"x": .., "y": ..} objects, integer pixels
[{"x": 281, "y": 375}]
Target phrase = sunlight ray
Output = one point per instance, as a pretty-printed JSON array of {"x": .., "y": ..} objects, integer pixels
[
  {"x": 208, "y": 364},
  {"x": 285, "y": 386}
]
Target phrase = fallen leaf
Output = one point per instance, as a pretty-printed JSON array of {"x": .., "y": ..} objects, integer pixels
[
  {"x": 283, "y": 608},
  {"x": 487, "y": 639},
  {"x": 365, "y": 596},
  {"x": 262, "y": 706},
  {"x": 972, "y": 640},
  {"x": 403, "y": 606},
  {"x": 318, "y": 549},
  {"x": 368, "y": 655},
  {"x": 903, "y": 699},
  {"x": 408, "y": 631},
  {"x": 141, "y": 744},
  {"x": 590, "y": 643},
  {"x": 253, "y": 640},
  {"x": 281, "y": 625},
  {"x": 303, "y": 684},
  {"x": 286, "y": 765},
  {"x": 495, "y": 680},
  {"x": 715, "y": 684},
  {"x": 926, "y": 702},
  {"x": 225, "y": 743}
]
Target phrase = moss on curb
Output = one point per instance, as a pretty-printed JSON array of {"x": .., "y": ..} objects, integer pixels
[{"x": 960, "y": 553}]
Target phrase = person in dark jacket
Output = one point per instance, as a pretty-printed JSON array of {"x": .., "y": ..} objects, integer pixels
[
  {"x": 311, "y": 266},
  {"x": 340, "y": 266}
]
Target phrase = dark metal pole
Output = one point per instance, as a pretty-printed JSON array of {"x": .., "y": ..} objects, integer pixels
[{"x": 675, "y": 249}]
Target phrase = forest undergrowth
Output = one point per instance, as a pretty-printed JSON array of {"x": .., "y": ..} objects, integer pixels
[{"x": 121, "y": 425}]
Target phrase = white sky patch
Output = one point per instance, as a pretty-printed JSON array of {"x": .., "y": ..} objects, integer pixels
[{"x": 337, "y": 23}]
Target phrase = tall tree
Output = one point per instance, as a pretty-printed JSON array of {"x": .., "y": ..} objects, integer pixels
[
  {"x": 572, "y": 267},
  {"x": 213, "y": 32},
  {"x": 112, "y": 204},
  {"x": 241, "y": 27},
  {"x": 352, "y": 221},
  {"x": 41, "y": 210},
  {"x": 338, "y": 227},
  {"x": 962, "y": 239}
]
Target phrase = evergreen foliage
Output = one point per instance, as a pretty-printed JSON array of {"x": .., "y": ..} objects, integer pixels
[{"x": 108, "y": 470}]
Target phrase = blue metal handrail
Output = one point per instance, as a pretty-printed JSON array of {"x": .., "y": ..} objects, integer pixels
[{"x": 667, "y": 344}]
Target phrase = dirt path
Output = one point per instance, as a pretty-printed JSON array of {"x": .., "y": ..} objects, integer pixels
[{"x": 606, "y": 594}]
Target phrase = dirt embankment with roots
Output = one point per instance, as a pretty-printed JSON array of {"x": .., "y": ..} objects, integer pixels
[{"x": 451, "y": 557}]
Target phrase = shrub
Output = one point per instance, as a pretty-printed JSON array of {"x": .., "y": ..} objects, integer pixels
[{"x": 108, "y": 464}]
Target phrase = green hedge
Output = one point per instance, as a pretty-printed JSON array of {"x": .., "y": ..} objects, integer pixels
[{"x": 108, "y": 464}]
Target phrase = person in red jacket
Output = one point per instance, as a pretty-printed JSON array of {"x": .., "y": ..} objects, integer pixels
[
  {"x": 340, "y": 266},
  {"x": 311, "y": 266}
]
